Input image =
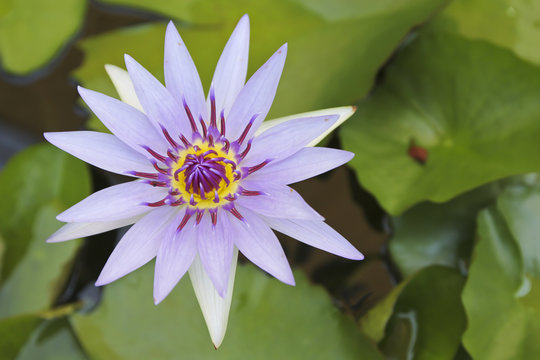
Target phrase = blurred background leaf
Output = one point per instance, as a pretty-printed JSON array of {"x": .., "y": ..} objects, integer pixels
[
  {"x": 268, "y": 320},
  {"x": 513, "y": 24},
  {"x": 32, "y": 32},
  {"x": 335, "y": 49}
]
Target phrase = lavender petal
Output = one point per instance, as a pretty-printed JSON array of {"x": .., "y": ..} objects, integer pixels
[
  {"x": 174, "y": 257},
  {"x": 279, "y": 201},
  {"x": 317, "y": 234},
  {"x": 138, "y": 246},
  {"x": 102, "y": 150},
  {"x": 158, "y": 103},
  {"x": 78, "y": 230},
  {"x": 215, "y": 247},
  {"x": 127, "y": 123},
  {"x": 286, "y": 139},
  {"x": 181, "y": 76},
  {"x": 306, "y": 163},
  {"x": 231, "y": 69},
  {"x": 114, "y": 203},
  {"x": 256, "y": 96},
  {"x": 260, "y": 245}
]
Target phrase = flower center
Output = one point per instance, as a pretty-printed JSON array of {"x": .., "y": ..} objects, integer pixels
[{"x": 204, "y": 176}]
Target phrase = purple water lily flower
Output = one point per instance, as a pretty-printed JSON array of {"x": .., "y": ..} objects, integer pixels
[{"x": 210, "y": 177}]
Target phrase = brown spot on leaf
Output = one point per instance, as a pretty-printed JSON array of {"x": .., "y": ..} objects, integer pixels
[{"x": 418, "y": 153}]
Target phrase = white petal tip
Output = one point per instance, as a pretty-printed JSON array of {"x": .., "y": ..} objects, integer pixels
[
  {"x": 112, "y": 69},
  {"x": 217, "y": 335},
  {"x": 217, "y": 344},
  {"x": 54, "y": 239}
]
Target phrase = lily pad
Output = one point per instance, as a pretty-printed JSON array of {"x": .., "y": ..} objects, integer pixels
[
  {"x": 509, "y": 23},
  {"x": 452, "y": 114},
  {"x": 335, "y": 49},
  {"x": 268, "y": 320},
  {"x": 501, "y": 297},
  {"x": 32, "y": 32},
  {"x": 35, "y": 186},
  {"x": 439, "y": 234}
]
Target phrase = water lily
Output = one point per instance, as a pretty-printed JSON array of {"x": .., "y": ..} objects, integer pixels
[{"x": 210, "y": 177}]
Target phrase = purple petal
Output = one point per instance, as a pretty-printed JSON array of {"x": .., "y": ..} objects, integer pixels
[
  {"x": 157, "y": 101},
  {"x": 317, "y": 234},
  {"x": 114, "y": 203},
  {"x": 286, "y": 139},
  {"x": 102, "y": 150},
  {"x": 305, "y": 164},
  {"x": 278, "y": 201},
  {"x": 256, "y": 96},
  {"x": 231, "y": 69},
  {"x": 174, "y": 257},
  {"x": 127, "y": 123},
  {"x": 78, "y": 230},
  {"x": 181, "y": 76},
  {"x": 215, "y": 247},
  {"x": 260, "y": 245},
  {"x": 139, "y": 245}
]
